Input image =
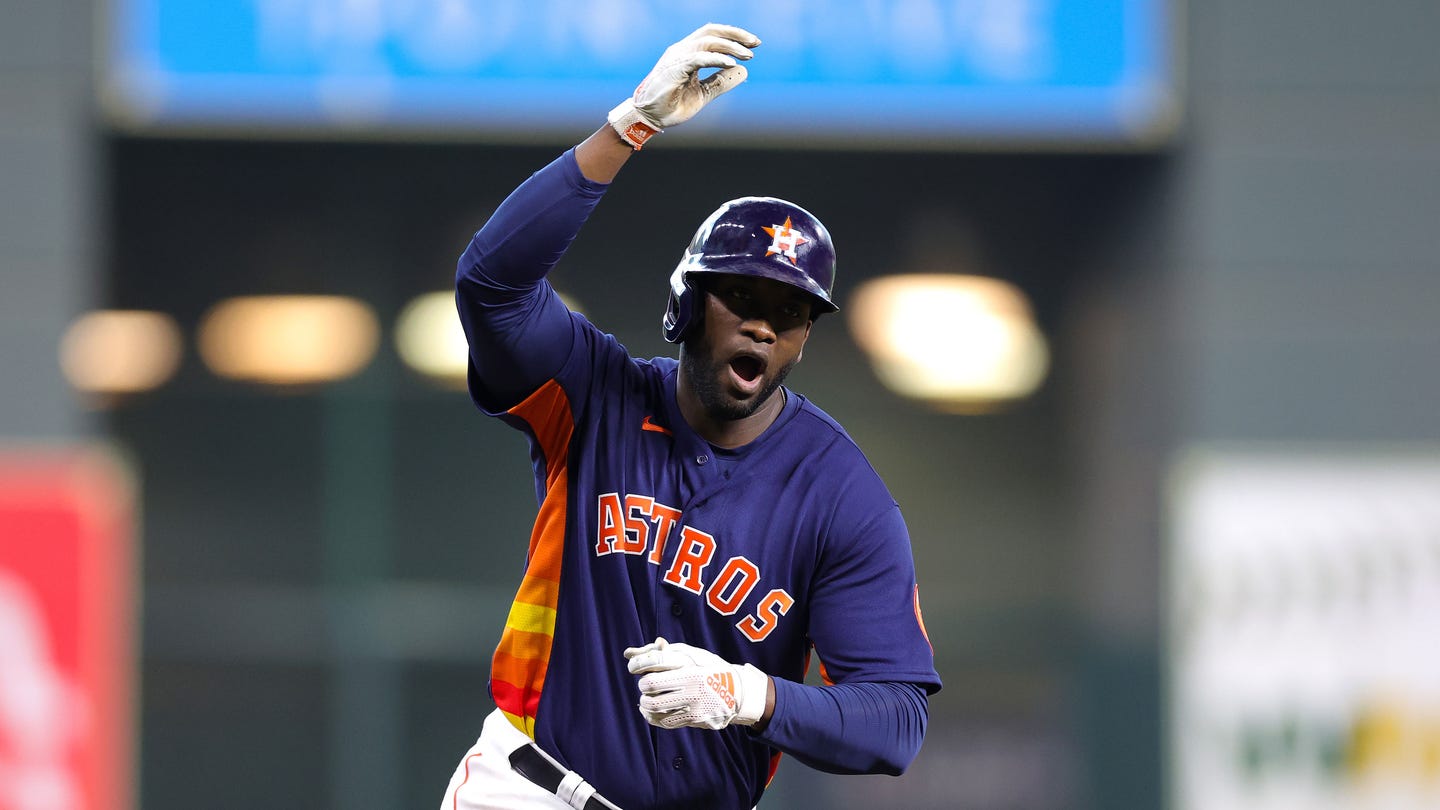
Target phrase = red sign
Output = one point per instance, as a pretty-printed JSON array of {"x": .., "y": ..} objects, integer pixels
[{"x": 66, "y": 631}]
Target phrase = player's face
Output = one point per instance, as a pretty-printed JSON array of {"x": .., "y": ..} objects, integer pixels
[{"x": 752, "y": 333}]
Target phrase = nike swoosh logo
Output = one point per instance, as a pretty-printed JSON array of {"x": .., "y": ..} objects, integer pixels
[{"x": 646, "y": 424}]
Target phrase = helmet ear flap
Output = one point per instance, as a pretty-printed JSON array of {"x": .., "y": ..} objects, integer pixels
[
  {"x": 696, "y": 324},
  {"x": 683, "y": 311}
]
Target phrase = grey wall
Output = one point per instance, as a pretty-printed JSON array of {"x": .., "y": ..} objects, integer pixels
[
  {"x": 1306, "y": 209},
  {"x": 48, "y": 183}
]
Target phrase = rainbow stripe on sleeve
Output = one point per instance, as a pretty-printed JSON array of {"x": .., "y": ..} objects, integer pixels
[{"x": 517, "y": 672}]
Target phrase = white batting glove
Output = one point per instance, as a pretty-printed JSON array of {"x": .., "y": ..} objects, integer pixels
[
  {"x": 688, "y": 686},
  {"x": 673, "y": 92}
]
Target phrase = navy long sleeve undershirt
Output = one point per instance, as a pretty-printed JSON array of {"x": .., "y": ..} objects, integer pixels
[
  {"x": 519, "y": 333},
  {"x": 849, "y": 727},
  {"x": 518, "y": 330}
]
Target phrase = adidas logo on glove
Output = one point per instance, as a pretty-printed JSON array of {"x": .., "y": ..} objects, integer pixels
[{"x": 724, "y": 685}]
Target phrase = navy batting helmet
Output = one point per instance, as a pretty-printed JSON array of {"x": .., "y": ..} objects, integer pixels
[{"x": 753, "y": 236}]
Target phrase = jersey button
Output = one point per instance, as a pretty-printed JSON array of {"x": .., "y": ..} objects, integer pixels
[
  {"x": 677, "y": 763},
  {"x": 676, "y": 609}
]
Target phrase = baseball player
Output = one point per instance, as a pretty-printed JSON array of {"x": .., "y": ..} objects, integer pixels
[{"x": 701, "y": 527}]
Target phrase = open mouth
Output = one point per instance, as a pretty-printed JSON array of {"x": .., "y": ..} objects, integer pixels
[{"x": 747, "y": 368}]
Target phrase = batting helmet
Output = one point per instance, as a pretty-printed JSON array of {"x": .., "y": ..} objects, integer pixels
[{"x": 753, "y": 236}]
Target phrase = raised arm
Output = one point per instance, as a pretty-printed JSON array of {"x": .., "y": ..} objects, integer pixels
[{"x": 518, "y": 330}]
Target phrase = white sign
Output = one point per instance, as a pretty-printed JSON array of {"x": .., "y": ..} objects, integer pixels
[{"x": 1304, "y": 591}]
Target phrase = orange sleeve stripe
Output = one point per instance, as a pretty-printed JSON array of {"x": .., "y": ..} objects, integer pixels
[
  {"x": 548, "y": 413},
  {"x": 517, "y": 644},
  {"x": 547, "y": 541},
  {"x": 519, "y": 669},
  {"x": 538, "y": 590}
]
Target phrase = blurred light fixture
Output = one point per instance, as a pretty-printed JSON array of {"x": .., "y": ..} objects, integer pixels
[
  {"x": 430, "y": 339},
  {"x": 289, "y": 339},
  {"x": 116, "y": 351},
  {"x": 961, "y": 343}
]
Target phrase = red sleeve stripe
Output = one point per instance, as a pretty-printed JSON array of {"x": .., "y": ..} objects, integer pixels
[{"x": 523, "y": 701}]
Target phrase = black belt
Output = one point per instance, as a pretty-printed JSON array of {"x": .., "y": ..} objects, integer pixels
[{"x": 529, "y": 762}]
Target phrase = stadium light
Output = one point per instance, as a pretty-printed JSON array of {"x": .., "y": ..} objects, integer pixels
[
  {"x": 960, "y": 343},
  {"x": 120, "y": 351},
  {"x": 289, "y": 339},
  {"x": 430, "y": 340}
]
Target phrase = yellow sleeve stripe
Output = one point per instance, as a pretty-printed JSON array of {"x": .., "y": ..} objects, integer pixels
[{"x": 527, "y": 618}]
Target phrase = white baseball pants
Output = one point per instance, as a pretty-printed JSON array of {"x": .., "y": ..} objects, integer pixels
[{"x": 485, "y": 780}]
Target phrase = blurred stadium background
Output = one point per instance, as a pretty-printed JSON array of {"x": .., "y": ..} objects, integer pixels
[{"x": 1176, "y": 506}]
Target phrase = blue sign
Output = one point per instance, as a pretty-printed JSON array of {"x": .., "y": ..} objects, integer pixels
[{"x": 887, "y": 72}]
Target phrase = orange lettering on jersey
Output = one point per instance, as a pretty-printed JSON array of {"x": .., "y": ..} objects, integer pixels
[
  {"x": 610, "y": 525},
  {"x": 739, "y": 577},
  {"x": 639, "y": 525},
  {"x": 762, "y": 623},
  {"x": 666, "y": 517},
  {"x": 637, "y": 529},
  {"x": 696, "y": 549}
]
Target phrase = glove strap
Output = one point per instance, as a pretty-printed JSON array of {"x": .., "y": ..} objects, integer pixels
[
  {"x": 754, "y": 690},
  {"x": 631, "y": 125}
]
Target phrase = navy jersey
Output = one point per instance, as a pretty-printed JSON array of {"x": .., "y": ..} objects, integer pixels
[{"x": 644, "y": 530}]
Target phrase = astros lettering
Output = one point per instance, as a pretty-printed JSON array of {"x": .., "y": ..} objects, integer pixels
[{"x": 640, "y": 525}]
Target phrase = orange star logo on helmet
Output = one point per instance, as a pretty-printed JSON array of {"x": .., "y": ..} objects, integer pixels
[{"x": 784, "y": 241}]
